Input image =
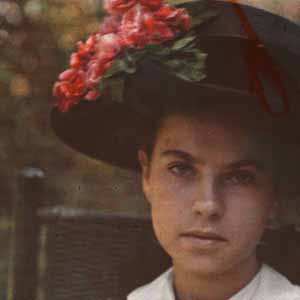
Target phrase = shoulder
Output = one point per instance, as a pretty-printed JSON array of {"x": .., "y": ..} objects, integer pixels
[
  {"x": 158, "y": 289},
  {"x": 276, "y": 286}
]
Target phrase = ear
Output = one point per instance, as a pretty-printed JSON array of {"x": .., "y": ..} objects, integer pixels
[{"x": 145, "y": 166}]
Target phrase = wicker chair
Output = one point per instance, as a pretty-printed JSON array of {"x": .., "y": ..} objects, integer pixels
[{"x": 96, "y": 256}]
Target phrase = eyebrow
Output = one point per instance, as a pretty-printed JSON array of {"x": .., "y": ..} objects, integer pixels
[
  {"x": 233, "y": 165},
  {"x": 247, "y": 163},
  {"x": 181, "y": 154}
]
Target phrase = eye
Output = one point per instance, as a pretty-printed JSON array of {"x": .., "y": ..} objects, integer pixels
[
  {"x": 182, "y": 169},
  {"x": 240, "y": 177}
]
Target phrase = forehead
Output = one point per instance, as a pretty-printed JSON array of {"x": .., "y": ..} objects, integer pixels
[{"x": 214, "y": 139}]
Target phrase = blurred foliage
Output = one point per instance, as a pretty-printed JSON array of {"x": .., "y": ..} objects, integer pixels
[{"x": 36, "y": 39}]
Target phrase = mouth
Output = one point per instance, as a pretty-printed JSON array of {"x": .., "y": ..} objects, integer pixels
[
  {"x": 208, "y": 236},
  {"x": 203, "y": 241}
]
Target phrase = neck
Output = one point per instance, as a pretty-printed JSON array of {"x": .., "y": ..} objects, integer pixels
[{"x": 196, "y": 286}]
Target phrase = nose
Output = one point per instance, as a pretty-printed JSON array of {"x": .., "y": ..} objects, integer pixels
[{"x": 208, "y": 200}]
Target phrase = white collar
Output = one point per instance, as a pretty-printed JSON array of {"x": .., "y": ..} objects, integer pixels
[
  {"x": 267, "y": 284},
  {"x": 246, "y": 293},
  {"x": 250, "y": 290}
]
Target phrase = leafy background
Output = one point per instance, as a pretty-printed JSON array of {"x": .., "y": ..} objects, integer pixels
[{"x": 36, "y": 39}]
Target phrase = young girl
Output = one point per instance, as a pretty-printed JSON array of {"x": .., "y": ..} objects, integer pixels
[{"x": 205, "y": 105}]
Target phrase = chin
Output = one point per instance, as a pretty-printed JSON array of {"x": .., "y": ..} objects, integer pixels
[
  {"x": 201, "y": 265},
  {"x": 208, "y": 264}
]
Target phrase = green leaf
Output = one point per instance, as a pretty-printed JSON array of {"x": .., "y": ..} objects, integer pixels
[
  {"x": 182, "y": 43},
  {"x": 104, "y": 83},
  {"x": 200, "y": 56},
  {"x": 139, "y": 55},
  {"x": 155, "y": 49},
  {"x": 131, "y": 60},
  {"x": 197, "y": 73},
  {"x": 180, "y": 2},
  {"x": 126, "y": 64},
  {"x": 191, "y": 67},
  {"x": 188, "y": 50},
  {"x": 200, "y": 11},
  {"x": 183, "y": 76},
  {"x": 118, "y": 66},
  {"x": 191, "y": 74},
  {"x": 129, "y": 57},
  {"x": 192, "y": 70},
  {"x": 130, "y": 69},
  {"x": 174, "y": 64},
  {"x": 201, "y": 18}
]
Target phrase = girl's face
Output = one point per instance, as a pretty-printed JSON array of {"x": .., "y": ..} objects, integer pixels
[{"x": 211, "y": 193}]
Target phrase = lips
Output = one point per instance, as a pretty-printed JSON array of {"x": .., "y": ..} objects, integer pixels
[{"x": 205, "y": 235}]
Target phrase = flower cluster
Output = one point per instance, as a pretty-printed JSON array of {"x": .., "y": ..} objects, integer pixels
[{"x": 132, "y": 24}]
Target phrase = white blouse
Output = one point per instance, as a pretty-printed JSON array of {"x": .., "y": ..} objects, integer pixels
[{"x": 267, "y": 284}]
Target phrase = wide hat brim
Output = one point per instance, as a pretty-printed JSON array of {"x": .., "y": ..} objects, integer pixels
[{"x": 113, "y": 132}]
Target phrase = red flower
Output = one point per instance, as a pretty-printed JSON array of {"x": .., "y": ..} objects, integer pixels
[
  {"x": 182, "y": 20},
  {"x": 110, "y": 44},
  {"x": 85, "y": 51},
  {"x": 64, "y": 103},
  {"x": 152, "y": 4},
  {"x": 110, "y": 24},
  {"x": 96, "y": 70},
  {"x": 118, "y": 7},
  {"x": 132, "y": 30},
  {"x": 67, "y": 75},
  {"x": 178, "y": 18},
  {"x": 88, "y": 65},
  {"x": 69, "y": 92},
  {"x": 75, "y": 61},
  {"x": 140, "y": 27},
  {"x": 134, "y": 24},
  {"x": 108, "y": 47},
  {"x": 92, "y": 95},
  {"x": 157, "y": 31}
]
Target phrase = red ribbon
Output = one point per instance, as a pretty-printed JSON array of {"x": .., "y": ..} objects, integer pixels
[{"x": 260, "y": 62}]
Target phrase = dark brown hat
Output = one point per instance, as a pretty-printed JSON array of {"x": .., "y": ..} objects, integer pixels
[{"x": 253, "y": 58}]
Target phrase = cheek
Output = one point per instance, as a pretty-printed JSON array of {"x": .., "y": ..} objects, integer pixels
[
  {"x": 169, "y": 209},
  {"x": 248, "y": 215},
  {"x": 167, "y": 192},
  {"x": 166, "y": 204}
]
